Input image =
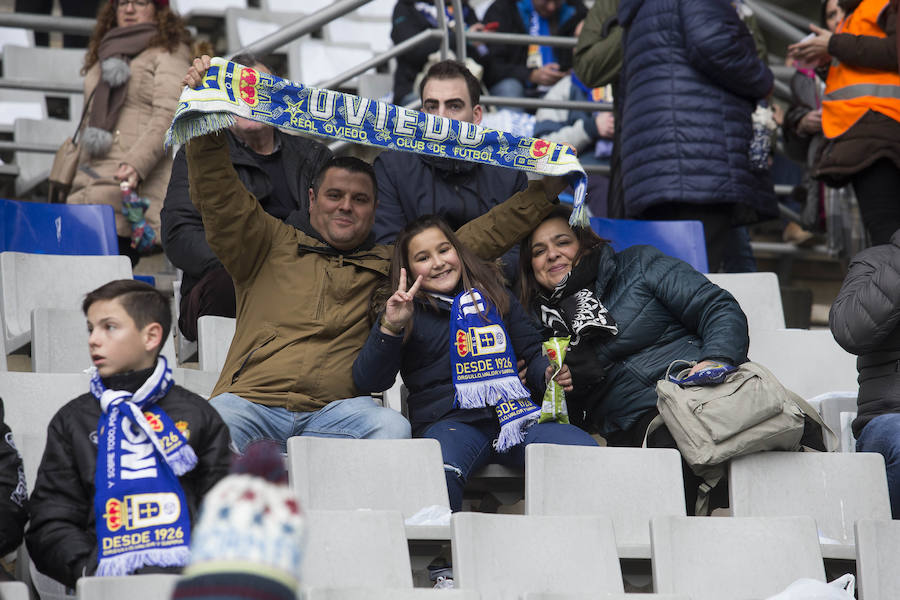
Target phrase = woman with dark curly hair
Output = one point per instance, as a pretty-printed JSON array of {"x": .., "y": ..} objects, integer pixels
[{"x": 136, "y": 58}]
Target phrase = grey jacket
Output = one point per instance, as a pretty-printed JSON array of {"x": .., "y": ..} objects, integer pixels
[{"x": 864, "y": 320}]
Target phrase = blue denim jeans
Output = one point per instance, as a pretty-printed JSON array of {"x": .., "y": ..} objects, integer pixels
[
  {"x": 882, "y": 435},
  {"x": 510, "y": 88},
  {"x": 357, "y": 418},
  {"x": 467, "y": 447}
]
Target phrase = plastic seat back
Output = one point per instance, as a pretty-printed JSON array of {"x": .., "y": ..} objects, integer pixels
[
  {"x": 42, "y": 228},
  {"x": 834, "y": 488},
  {"x": 353, "y": 548},
  {"x": 681, "y": 239},
  {"x": 577, "y": 480},
  {"x": 711, "y": 558},
  {"x": 505, "y": 556},
  {"x": 877, "y": 549}
]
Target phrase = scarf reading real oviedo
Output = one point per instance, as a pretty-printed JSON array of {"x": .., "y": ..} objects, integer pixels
[
  {"x": 140, "y": 508},
  {"x": 230, "y": 90}
]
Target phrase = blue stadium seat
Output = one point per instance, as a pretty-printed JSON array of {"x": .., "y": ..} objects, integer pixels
[
  {"x": 681, "y": 239},
  {"x": 42, "y": 228}
]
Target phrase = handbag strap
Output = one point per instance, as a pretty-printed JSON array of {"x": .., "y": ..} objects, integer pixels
[{"x": 84, "y": 111}]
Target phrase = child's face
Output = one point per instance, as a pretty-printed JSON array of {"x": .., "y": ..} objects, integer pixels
[
  {"x": 432, "y": 256},
  {"x": 115, "y": 342}
]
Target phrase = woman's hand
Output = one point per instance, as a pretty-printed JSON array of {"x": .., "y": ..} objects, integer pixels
[
  {"x": 563, "y": 378},
  {"x": 523, "y": 371},
  {"x": 399, "y": 308},
  {"x": 814, "y": 50},
  {"x": 811, "y": 123},
  {"x": 196, "y": 71},
  {"x": 127, "y": 173},
  {"x": 702, "y": 365}
]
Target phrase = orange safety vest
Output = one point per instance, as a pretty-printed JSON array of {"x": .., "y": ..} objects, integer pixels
[{"x": 850, "y": 90}]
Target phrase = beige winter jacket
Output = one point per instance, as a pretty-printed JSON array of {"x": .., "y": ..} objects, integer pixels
[{"x": 150, "y": 102}]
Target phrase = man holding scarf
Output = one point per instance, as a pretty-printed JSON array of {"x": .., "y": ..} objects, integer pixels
[{"x": 303, "y": 291}]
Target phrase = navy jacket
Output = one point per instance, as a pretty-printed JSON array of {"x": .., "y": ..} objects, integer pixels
[
  {"x": 691, "y": 80},
  {"x": 424, "y": 363},
  {"x": 412, "y": 185},
  {"x": 665, "y": 311}
]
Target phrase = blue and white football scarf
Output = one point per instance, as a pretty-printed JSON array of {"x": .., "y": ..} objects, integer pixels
[
  {"x": 483, "y": 367},
  {"x": 230, "y": 90},
  {"x": 140, "y": 508}
]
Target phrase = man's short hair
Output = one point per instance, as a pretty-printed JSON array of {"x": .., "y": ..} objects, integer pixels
[
  {"x": 451, "y": 69},
  {"x": 143, "y": 303},
  {"x": 251, "y": 60},
  {"x": 348, "y": 163}
]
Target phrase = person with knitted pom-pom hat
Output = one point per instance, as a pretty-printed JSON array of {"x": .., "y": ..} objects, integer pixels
[{"x": 249, "y": 542}]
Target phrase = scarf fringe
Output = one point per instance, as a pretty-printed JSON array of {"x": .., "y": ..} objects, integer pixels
[
  {"x": 128, "y": 563},
  {"x": 182, "y": 460},
  {"x": 579, "y": 216},
  {"x": 187, "y": 128},
  {"x": 488, "y": 393},
  {"x": 513, "y": 432}
]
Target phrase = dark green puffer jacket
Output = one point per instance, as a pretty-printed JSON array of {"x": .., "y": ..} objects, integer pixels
[{"x": 665, "y": 310}]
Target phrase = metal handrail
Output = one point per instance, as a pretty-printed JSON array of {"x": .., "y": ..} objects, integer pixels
[
  {"x": 522, "y": 39},
  {"x": 300, "y": 27},
  {"x": 28, "y": 147},
  {"x": 41, "y": 86},
  {"x": 77, "y": 25},
  {"x": 544, "y": 103},
  {"x": 400, "y": 48},
  {"x": 789, "y": 16},
  {"x": 774, "y": 23}
]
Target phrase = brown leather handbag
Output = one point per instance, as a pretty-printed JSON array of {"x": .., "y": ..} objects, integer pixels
[{"x": 65, "y": 163}]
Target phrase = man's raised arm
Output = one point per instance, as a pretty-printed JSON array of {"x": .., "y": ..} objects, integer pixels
[{"x": 501, "y": 228}]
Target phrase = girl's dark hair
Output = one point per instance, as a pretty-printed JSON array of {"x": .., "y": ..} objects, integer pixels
[
  {"x": 474, "y": 271},
  {"x": 587, "y": 241},
  {"x": 170, "y": 31}
]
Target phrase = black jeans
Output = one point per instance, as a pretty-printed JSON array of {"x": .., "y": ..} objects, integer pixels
[
  {"x": 212, "y": 295},
  {"x": 877, "y": 189}
]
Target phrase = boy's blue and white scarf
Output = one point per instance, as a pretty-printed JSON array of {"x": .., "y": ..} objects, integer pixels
[
  {"x": 229, "y": 90},
  {"x": 140, "y": 509},
  {"x": 484, "y": 368}
]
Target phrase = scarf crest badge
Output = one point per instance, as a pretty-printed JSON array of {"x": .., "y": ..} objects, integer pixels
[
  {"x": 484, "y": 368},
  {"x": 140, "y": 509},
  {"x": 229, "y": 90}
]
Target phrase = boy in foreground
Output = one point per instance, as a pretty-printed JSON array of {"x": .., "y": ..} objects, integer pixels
[{"x": 159, "y": 449}]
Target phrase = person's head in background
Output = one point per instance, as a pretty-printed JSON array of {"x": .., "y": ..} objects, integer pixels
[
  {"x": 832, "y": 14},
  {"x": 247, "y": 129},
  {"x": 171, "y": 30},
  {"x": 128, "y": 322},
  {"x": 449, "y": 89},
  {"x": 546, "y": 8},
  {"x": 342, "y": 202}
]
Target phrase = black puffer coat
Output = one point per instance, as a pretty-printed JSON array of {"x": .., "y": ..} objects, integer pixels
[
  {"x": 183, "y": 236},
  {"x": 61, "y": 538},
  {"x": 424, "y": 363},
  {"x": 13, "y": 492},
  {"x": 665, "y": 311},
  {"x": 865, "y": 320},
  {"x": 691, "y": 79}
]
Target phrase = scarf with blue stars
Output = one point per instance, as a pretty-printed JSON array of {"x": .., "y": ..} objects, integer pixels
[{"x": 230, "y": 90}]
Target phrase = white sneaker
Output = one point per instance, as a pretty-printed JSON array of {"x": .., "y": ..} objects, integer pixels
[{"x": 444, "y": 583}]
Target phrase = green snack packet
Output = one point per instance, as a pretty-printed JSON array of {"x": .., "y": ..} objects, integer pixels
[{"x": 553, "y": 408}]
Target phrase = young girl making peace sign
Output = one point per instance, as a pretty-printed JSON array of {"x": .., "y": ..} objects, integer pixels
[{"x": 454, "y": 336}]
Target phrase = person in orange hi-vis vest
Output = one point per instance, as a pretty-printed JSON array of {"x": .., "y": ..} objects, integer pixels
[{"x": 861, "y": 109}]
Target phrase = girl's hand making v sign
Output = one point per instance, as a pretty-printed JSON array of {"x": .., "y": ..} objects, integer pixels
[{"x": 399, "y": 308}]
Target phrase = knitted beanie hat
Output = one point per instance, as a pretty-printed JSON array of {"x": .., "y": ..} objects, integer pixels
[{"x": 248, "y": 543}]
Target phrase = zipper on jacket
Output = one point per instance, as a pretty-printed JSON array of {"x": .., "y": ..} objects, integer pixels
[{"x": 247, "y": 358}]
